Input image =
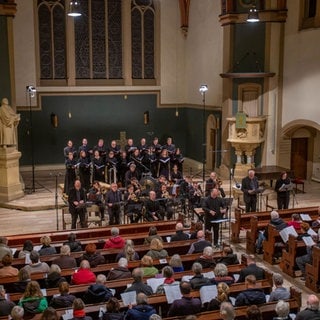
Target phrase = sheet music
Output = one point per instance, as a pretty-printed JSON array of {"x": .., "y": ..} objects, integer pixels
[
  {"x": 311, "y": 232},
  {"x": 154, "y": 283},
  {"x": 44, "y": 292},
  {"x": 284, "y": 233},
  {"x": 172, "y": 293},
  {"x": 207, "y": 293},
  {"x": 37, "y": 248},
  {"x": 13, "y": 250},
  {"x": 186, "y": 278},
  {"x": 209, "y": 275},
  {"x": 286, "y": 187},
  {"x": 68, "y": 315},
  {"x": 27, "y": 259},
  {"x": 305, "y": 217},
  {"x": 308, "y": 241},
  {"x": 129, "y": 298}
]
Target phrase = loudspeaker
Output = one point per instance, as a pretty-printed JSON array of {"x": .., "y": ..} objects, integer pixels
[
  {"x": 146, "y": 117},
  {"x": 54, "y": 120}
]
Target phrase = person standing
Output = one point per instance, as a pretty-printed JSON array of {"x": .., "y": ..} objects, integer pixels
[
  {"x": 214, "y": 208},
  {"x": 249, "y": 187},
  {"x": 282, "y": 190},
  {"x": 77, "y": 207},
  {"x": 113, "y": 201}
]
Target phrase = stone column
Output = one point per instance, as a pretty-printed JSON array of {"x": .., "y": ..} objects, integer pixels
[{"x": 10, "y": 185}]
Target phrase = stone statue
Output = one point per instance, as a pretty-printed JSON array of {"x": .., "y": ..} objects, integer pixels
[{"x": 9, "y": 121}]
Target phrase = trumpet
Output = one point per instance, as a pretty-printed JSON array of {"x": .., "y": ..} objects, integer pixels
[
  {"x": 104, "y": 187},
  {"x": 133, "y": 197},
  {"x": 219, "y": 182},
  {"x": 165, "y": 195}
]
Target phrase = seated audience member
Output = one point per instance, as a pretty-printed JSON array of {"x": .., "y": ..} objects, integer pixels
[
  {"x": 316, "y": 223},
  {"x": 277, "y": 222},
  {"x": 83, "y": 275},
  {"x": 228, "y": 257},
  {"x": 50, "y": 314},
  {"x": 252, "y": 295},
  {"x": 153, "y": 233},
  {"x": 79, "y": 312},
  {"x": 227, "y": 311},
  {"x": 147, "y": 267},
  {"x": 6, "y": 306},
  {"x": 54, "y": 277},
  {"x": 156, "y": 250},
  {"x": 7, "y": 270},
  {"x": 200, "y": 244},
  {"x": 295, "y": 221},
  {"x": 112, "y": 310},
  {"x": 115, "y": 241},
  {"x": 141, "y": 311},
  {"x": 65, "y": 261},
  {"x": 128, "y": 252},
  {"x": 120, "y": 272},
  {"x": 46, "y": 248},
  {"x": 222, "y": 275},
  {"x": 95, "y": 258},
  {"x": 282, "y": 310},
  {"x": 98, "y": 292},
  {"x": 198, "y": 226},
  {"x": 24, "y": 279},
  {"x": 176, "y": 263},
  {"x": 4, "y": 249},
  {"x": 312, "y": 311},
  {"x": 206, "y": 259},
  {"x": 198, "y": 280},
  {"x": 27, "y": 248},
  {"x": 304, "y": 226},
  {"x": 254, "y": 313},
  {"x": 222, "y": 296},
  {"x": 167, "y": 273},
  {"x": 187, "y": 304},
  {"x": 65, "y": 299},
  {"x": 32, "y": 300},
  {"x": 17, "y": 313},
  {"x": 138, "y": 285},
  {"x": 179, "y": 235},
  {"x": 36, "y": 265},
  {"x": 280, "y": 292},
  {"x": 73, "y": 243},
  {"x": 251, "y": 268}
]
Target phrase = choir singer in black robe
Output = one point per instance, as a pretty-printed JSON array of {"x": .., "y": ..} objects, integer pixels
[{"x": 77, "y": 205}]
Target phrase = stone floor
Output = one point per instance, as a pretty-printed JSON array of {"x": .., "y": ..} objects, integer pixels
[{"x": 41, "y": 211}]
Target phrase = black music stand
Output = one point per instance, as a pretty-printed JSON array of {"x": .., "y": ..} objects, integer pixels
[{"x": 219, "y": 222}]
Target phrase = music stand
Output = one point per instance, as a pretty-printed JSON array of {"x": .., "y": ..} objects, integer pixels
[{"x": 218, "y": 222}]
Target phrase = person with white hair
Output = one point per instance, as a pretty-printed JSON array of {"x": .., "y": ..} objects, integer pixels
[
  {"x": 17, "y": 313},
  {"x": 282, "y": 310},
  {"x": 312, "y": 311},
  {"x": 121, "y": 271},
  {"x": 65, "y": 261},
  {"x": 115, "y": 241},
  {"x": 206, "y": 259},
  {"x": 142, "y": 310},
  {"x": 179, "y": 235},
  {"x": 280, "y": 292}
]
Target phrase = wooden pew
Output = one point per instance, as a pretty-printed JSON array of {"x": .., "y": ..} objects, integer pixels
[
  {"x": 288, "y": 261},
  {"x": 313, "y": 271},
  {"x": 242, "y": 220}
]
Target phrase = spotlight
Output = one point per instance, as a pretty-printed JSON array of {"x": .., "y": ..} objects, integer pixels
[
  {"x": 31, "y": 90},
  {"x": 203, "y": 88},
  {"x": 253, "y": 15},
  {"x": 74, "y": 9}
]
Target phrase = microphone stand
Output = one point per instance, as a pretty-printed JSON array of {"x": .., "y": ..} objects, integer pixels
[{"x": 56, "y": 198}]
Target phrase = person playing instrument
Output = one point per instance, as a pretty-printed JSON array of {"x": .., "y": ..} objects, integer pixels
[
  {"x": 153, "y": 209},
  {"x": 113, "y": 201},
  {"x": 131, "y": 173},
  {"x": 282, "y": 190},
  {"x": 84, "y": 170},
  {"x": 250, "y": 187},
  {"x": 165, "y": 201},
  {"x": 70, "y": 176},
  {"x": 211, "y": 183},
  {"x": 96, "y": 197},
  {"x": 98, "y": 167},
  {"x": 77, "y": 208},
  {"x": 214, "y": 208},
  {"x": 133, "y": 205}
]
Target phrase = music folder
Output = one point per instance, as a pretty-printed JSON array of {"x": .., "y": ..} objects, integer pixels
[
  {"x": 219, "y": 220},
  {"x": 286, "y": 187}
]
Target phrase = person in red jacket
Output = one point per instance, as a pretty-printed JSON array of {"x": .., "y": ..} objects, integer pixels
[
  {"x": 83, "y": 275},
  {"x": 115, "y": 241}
]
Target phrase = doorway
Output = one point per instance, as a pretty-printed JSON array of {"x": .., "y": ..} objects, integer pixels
[{"x": 299, "y": 157}]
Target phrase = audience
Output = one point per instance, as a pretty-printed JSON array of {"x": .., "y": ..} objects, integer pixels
[
  {"x": 179, "y": 235},
  {"x": 115, "y": 241},
  {"x": 254, "y": 313},
  {"x": 24, "y": 279},
  {"x": 128, "y": 252},
  {"x": 280, "y": 292},
  {"x": 222, "y": 275},
  {"x": 78, "y": 310},
  {"x": 167, "y": 273},
  {"x": 36, "y": 265},
  {"x": 200, "y": 244},
  {"x": 33, "y": 300},
  {"x": 75, "y": 246},
  {"x": 141, "y": 311},
  {"x": 138, "y": 285},
  {"x": 198, "y": 280},
  {"x": 17, "y": 313},
  {"x": 26, "y": 250},
  {"x": 282, "y": 310},
  {"x": 176, "y": 263},
  {"x": 46, "y": 248},
  {"x": 65, "y": 299},
  {"x": 227, "y": 311},
  {"x": 156, "y": 250},
  {"x": 120, "y": 272},
  {"x": 228, "y": 257},
  {"x": 198, "y": 226},
  {"x": 83, "y": 275},
  {"x": 4, "y": 249},
  {"x": 153, "y": 234},
  {"x": 251, "y": 268},
  {"x": 252, "y": 295},
  {"x": 5, "y": 305},
  {"x": 98, "y": 292},
  {"x": 206, "y": 259},
  {"x": 295, "y": 221},
  {"x": 95, "y": 258},
  {"x": 65, "y": 261},
  {"x": 222, "y": 296},
  {"x": 312, "y": 310},
  {"x": 50, "y": 314},
  {"x": 147, "y": 267},
  {"x": 112, "y": 310},
  {"x": 187, "y": 304},
  {"x": 7, "y": 270},
  {"x": 54, "y": 277}
]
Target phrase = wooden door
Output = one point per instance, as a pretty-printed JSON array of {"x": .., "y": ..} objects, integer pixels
[{"x": 299, "y": 157}]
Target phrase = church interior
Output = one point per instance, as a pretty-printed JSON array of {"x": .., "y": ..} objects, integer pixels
[{"x": 234, "y": 95}]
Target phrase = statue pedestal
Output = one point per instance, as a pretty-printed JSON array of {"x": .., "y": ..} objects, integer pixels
[{"x": 10, "y": 185}]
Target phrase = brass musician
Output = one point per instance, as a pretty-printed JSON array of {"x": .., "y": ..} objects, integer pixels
[
  {"x": 165, "y": 200},
  {"x": 96, "y": 197},
  {"x": 133, "y": 205}
]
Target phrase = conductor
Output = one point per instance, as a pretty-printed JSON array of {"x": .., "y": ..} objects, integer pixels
[
  {"x": 250, "y": 187},
  {"x": 214, "y": 208}
]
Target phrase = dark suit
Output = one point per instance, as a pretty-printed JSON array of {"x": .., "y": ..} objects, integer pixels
[
  {"x": 77, "y": 210},
  {"x": 250, "y": 199},
  {"x": 251, "y": 269},
  {"x": 114, "y": 198}
]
